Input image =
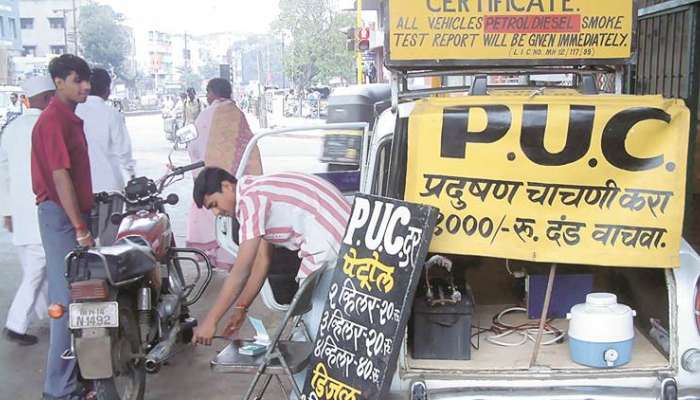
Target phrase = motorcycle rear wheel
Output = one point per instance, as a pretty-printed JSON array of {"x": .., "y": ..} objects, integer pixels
[{"x": 129, "y": 382}]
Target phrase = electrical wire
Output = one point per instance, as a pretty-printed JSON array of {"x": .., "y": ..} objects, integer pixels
[
  {"x": 510, "y": 272},
  {"x": 527, "y": 331}
]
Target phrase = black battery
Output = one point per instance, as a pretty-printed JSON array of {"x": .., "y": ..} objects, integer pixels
[{"x": 441, "y": 332}]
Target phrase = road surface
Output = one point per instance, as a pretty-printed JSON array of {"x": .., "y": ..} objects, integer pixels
[{"x": 187, "y": 375}]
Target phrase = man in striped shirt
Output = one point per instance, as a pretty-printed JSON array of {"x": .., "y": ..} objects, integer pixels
[{"x": 293, "y": 210}]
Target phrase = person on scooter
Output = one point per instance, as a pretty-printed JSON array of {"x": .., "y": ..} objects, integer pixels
[
  {"x": 192, "y": 107},
  {"x": 297, "y": 211}
]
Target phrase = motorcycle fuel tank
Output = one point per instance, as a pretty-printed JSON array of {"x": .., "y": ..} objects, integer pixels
[{"x": 153, "y": 227}]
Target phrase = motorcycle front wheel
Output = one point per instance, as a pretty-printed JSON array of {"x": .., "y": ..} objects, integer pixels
[{"x": 129, "y": 380}]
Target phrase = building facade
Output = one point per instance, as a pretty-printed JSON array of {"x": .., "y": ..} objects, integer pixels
[
  {"x": 10, "y": 40},
  {"x": 49, "y": 26},
  {"x": 159, "y": 49},
  {"x": 10, "y": 35}
]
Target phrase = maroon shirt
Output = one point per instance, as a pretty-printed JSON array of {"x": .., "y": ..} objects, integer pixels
[{"x": 58, "y": 142}]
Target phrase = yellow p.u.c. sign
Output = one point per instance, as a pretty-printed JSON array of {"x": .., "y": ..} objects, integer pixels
[
  {"x": 442, "y": 33},
  {"x": 573, "y": 179}
]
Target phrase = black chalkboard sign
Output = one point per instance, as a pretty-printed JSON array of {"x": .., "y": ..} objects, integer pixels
[{"x": 369, "y": 301}]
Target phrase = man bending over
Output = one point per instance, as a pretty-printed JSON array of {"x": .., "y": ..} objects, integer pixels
[{"x": 293, "y": 210}]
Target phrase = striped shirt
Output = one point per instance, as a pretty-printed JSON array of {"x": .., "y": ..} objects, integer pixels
[{"x": 296, "y": 211}]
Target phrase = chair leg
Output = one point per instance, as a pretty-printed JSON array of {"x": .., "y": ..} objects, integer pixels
[
  {"x": 284, "y": 390},
  {"x": 288, "y": 372},
  {"x": 256, "y": 378},
  {"x": 268, "y": 378},
  {"x": 305, "y": 330},
  {"x": 295, "y": 324},
  {"x": 295, "y": 387}
]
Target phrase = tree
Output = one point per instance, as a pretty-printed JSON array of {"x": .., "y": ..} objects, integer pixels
[
  {"x": 209, "y": 70},
  {"x": 104, "y": 40},
  {"x": 189, "y": 78},
  {"x": 316, "y": 53}
]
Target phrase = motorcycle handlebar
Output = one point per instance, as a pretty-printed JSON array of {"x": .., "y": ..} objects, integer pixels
[
  {"x": 178, "y": 171},
  {"x": 103, "y": 197},
  {"x": 186, "y": 168}
]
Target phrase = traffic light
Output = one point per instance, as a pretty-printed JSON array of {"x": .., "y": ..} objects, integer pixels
[
  {"x": 349, "y": 38},
  {"x": 363, "y": 42}
]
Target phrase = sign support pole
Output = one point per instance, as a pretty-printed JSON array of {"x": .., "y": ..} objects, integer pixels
[
  {"x": 543, "y": 317},
  {"x": 358, "y": 22}
]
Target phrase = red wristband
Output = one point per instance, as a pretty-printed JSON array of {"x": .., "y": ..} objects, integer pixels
[
  {"x": 80, "y": 227},
  {"x": 241, "y": 307}
]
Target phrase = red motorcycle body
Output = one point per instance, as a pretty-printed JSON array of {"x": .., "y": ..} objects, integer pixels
[{"x": 153, "y": 227}]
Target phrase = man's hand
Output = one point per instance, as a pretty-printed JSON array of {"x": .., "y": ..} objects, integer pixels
[
  {"x": 7, "y": 223},
  {"x": 204, "y": 333},
  {"x": 84, "y": 238},
  {"x": 235, "y": 322}
]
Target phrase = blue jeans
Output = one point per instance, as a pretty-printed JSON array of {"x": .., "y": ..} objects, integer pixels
[{"x": 58, "y": 238}]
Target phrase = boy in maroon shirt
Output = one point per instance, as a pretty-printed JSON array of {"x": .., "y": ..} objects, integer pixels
[{"x": 63, "y": 188}]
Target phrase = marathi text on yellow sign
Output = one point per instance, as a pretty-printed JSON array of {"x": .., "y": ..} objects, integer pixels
[
  {"x": 571, "y": 179},
  {"x": 482, "y": 30}
]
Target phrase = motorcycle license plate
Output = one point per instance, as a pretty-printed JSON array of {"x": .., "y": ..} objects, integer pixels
[{"x": 94, "y": 315}]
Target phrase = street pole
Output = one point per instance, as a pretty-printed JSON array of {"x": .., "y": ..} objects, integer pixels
[
  {"x": 65, "y": 31},
  {"x": 358, "y": 22},
  {"x": 284, "y": 73},
  {"x": 75, "y": 29},
  {"x": 186, "y": 55}
]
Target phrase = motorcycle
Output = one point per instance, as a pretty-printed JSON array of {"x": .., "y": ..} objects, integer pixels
[
  {"x": 130, "y": 301},
  {"x": 172, "y": 121}
]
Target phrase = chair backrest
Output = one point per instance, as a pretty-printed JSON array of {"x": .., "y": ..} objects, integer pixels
[{"x": 301, "y": 304}]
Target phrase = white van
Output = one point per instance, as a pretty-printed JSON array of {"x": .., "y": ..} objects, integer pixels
[{"x": 666, "y": 355}]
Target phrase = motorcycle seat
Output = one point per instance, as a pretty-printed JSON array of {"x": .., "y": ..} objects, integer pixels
[{"x": 125, "y": 259}]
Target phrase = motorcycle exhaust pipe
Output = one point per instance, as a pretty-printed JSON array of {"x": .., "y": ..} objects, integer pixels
[
  {"x": 151, "y": 366},
  {"x": 162, "y": 351},
  {"x": 144, "y": 299},
  {"x": 143, "y": 306}
]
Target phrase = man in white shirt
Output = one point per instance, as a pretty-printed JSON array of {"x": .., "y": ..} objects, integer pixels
[
  {"x": 17, "y": 206},
  {"x": 109, "y": 148},
  {"x": 15, "y": 105}
]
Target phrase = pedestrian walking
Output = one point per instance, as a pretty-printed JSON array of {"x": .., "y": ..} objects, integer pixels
[
  {"x": 223, "y": 135},
  {"x": 297, "y": 211},
  {"x": 14, "y": 110},
  {"x": 109, "y": 148},
  {"x": 192, "y": 107},
  {"x": 20, "y": 214},
  {"x": 63, "y": 189},
  {"x": 15, "y": 106}
]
